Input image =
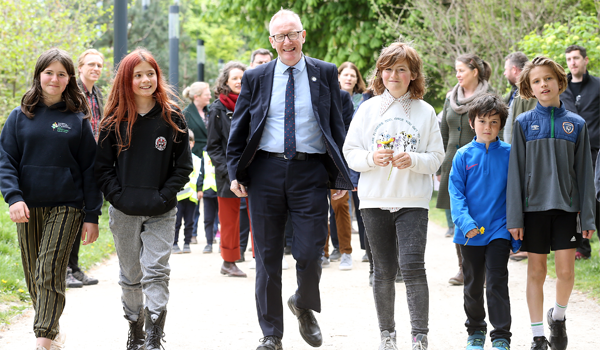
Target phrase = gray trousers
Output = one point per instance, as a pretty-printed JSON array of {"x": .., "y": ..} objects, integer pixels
[
  {"x": 399, "y": 239},
  {"x": 143, "y": 245}
]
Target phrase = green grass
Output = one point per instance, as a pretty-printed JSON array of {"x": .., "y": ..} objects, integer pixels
[
  {"x": 587, "y": 272},
  {"x": 14, "y": 297},
  {"x": 437, "y": 215}
]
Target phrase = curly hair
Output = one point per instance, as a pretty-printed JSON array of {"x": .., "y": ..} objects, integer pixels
[
  {"x": 221, "y": 86},
  {"x": 524, "y": 83},
  {"x": 396, "y": 53}
]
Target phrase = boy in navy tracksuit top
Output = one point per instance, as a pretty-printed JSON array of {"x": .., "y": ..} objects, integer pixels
[
  {"x": 478, "y": 201},
  {"x": 550, "y": 194}
]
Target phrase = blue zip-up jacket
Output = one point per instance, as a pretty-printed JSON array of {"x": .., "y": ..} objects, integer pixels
[
  {"x": 477, "y": 188},
  {"x": 550, "y": 166}
]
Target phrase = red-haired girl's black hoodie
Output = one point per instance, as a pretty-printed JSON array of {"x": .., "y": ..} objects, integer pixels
[{"x": 144, "y": 179}]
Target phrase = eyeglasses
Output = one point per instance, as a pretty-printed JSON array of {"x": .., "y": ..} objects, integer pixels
[
  {"x": 291, "y": 35},
  {"x": 577, "y": 102}
]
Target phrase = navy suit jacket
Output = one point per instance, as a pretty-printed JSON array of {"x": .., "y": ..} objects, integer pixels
[{"x": 251, "y": 111}]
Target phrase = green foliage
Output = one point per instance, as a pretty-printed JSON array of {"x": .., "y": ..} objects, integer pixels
[
  {"x": 337, "y": 31},
  {"x": 30, "y": 27},
  {"x": 580, "y": 30}
]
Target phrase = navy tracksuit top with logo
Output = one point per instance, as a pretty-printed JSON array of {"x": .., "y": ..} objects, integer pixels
[{"x": 550, "y": 166}]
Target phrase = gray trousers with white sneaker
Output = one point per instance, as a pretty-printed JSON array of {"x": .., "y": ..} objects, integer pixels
[{"x": 143, "y": 245}]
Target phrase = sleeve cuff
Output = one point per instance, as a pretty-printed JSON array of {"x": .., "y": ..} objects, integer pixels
[
  {"x": 91, "y": 218},
  {"x": 14, "y": 199},
  {"x": 370, "y": 160}
]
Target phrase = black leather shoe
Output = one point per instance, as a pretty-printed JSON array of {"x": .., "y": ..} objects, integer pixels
[
  {"x": 309, "y": 328},
  {"x": 270, "y": 342}
]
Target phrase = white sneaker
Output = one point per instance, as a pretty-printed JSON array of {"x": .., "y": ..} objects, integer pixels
[
  {"x": 388, "y": 341},
  {"x": 59, "y": 342},
  {"x": 252, "y": 264},
  {"x": 284, "y": 264},
  {"x": 346, "y": 262}
]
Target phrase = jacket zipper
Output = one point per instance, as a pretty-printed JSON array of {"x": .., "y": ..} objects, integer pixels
[
  {"x": 527, "y": 198},
  {"x": 552, "y": 123}
]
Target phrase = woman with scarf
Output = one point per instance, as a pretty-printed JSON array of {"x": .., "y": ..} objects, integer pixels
[
  {"x": 229, "y": 85},
  {"x": 472, "y": 73}
]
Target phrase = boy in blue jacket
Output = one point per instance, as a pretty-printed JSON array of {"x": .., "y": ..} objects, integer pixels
[{"x": 478, "y": 202}]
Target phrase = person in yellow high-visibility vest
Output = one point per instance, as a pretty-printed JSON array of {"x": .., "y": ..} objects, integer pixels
[
  {"x": 187, "y": 203},
  {"x": 207, "y": 189}
]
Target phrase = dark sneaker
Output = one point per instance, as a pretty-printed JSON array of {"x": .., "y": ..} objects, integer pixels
[
  {"x": 476, "y": 340},
  {"x": 175, "y": 249},
  {"x": 287, "y": 250},
  {"x": 186, "y": 249},
  {"x": 270, "y": 342},
  {"x": 335, "y": 255},
  {"x": 207, "y": 249},
  {"x": 325, "y": 262},
  {"x": 85, "y": 279},
  {"x": 539, "y": 343},
  {"x": 72, "y": 282},
  {"x": 449, "y": 233},
  {"x": 558, "y": 332},
  {"x": 500, "y": 344},
  {"x": 399, "y": 278}
]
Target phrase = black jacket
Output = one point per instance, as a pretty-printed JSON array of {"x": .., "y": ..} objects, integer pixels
[
  {"x": 219, "y": 125},
  {"x": 48, "y": 161},
  {"x": 589, "y": 107},
  {"x": 144, "y": 179}
]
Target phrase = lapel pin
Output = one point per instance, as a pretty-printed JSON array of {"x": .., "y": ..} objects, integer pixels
[{"x": 313, "y": 79}]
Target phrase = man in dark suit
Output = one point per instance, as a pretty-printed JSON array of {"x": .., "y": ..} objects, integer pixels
[{"x": 284, "y": 153}]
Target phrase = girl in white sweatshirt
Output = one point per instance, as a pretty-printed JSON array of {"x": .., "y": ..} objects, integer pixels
[{"x": 395, "y": 143}]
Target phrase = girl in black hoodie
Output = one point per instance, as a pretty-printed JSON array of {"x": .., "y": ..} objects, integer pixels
[
  {"x": 143, "y": 160},
  {"x": 47, "y": 152}
]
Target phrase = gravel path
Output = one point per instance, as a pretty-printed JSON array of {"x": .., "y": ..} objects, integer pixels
[{"x": 210, "y": 311}]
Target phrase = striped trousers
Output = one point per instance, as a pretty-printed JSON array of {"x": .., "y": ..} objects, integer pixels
[{"x": 45, "y": 243}]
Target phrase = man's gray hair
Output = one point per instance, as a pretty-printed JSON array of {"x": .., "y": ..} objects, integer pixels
[
  {"x": 517, "y": 59},
  {"x": 283, "y": 12}
]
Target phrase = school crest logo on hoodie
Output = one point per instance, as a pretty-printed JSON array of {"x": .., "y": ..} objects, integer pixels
[{"x": 160, "y": 143}]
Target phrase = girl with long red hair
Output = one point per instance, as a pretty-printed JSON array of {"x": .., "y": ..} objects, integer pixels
[{"x": 143, "y": 160}]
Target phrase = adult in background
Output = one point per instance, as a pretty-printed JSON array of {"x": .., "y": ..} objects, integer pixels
[
  {"x": 260, "y": 56},
  {"x": 472, "y": 73},
  {"x": 352, "y": 82},
  {"x": 196, "y": 116},
  {"x": 89, "y": 65},
  {"x": 284, "y": 154},
  {"x": 582, "y": 97},
  {"x": 228, "y": 87},
  {"x": 513, "y": 65},
  {"x": 394, "y": 141}
]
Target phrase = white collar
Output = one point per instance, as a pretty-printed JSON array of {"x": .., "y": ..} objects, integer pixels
[{"x": 388, "y": 99}]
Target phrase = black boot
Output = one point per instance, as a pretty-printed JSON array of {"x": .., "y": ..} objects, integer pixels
[
  {"x": 154, "y": 330},
  {"x": 135, "y": 340}
]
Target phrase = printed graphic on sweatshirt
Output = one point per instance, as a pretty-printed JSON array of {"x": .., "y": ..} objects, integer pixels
[
  {"x": 160, "y": 143},
  {"x": 397, "y": 134},
  {"x": 61, "y": 127}
]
